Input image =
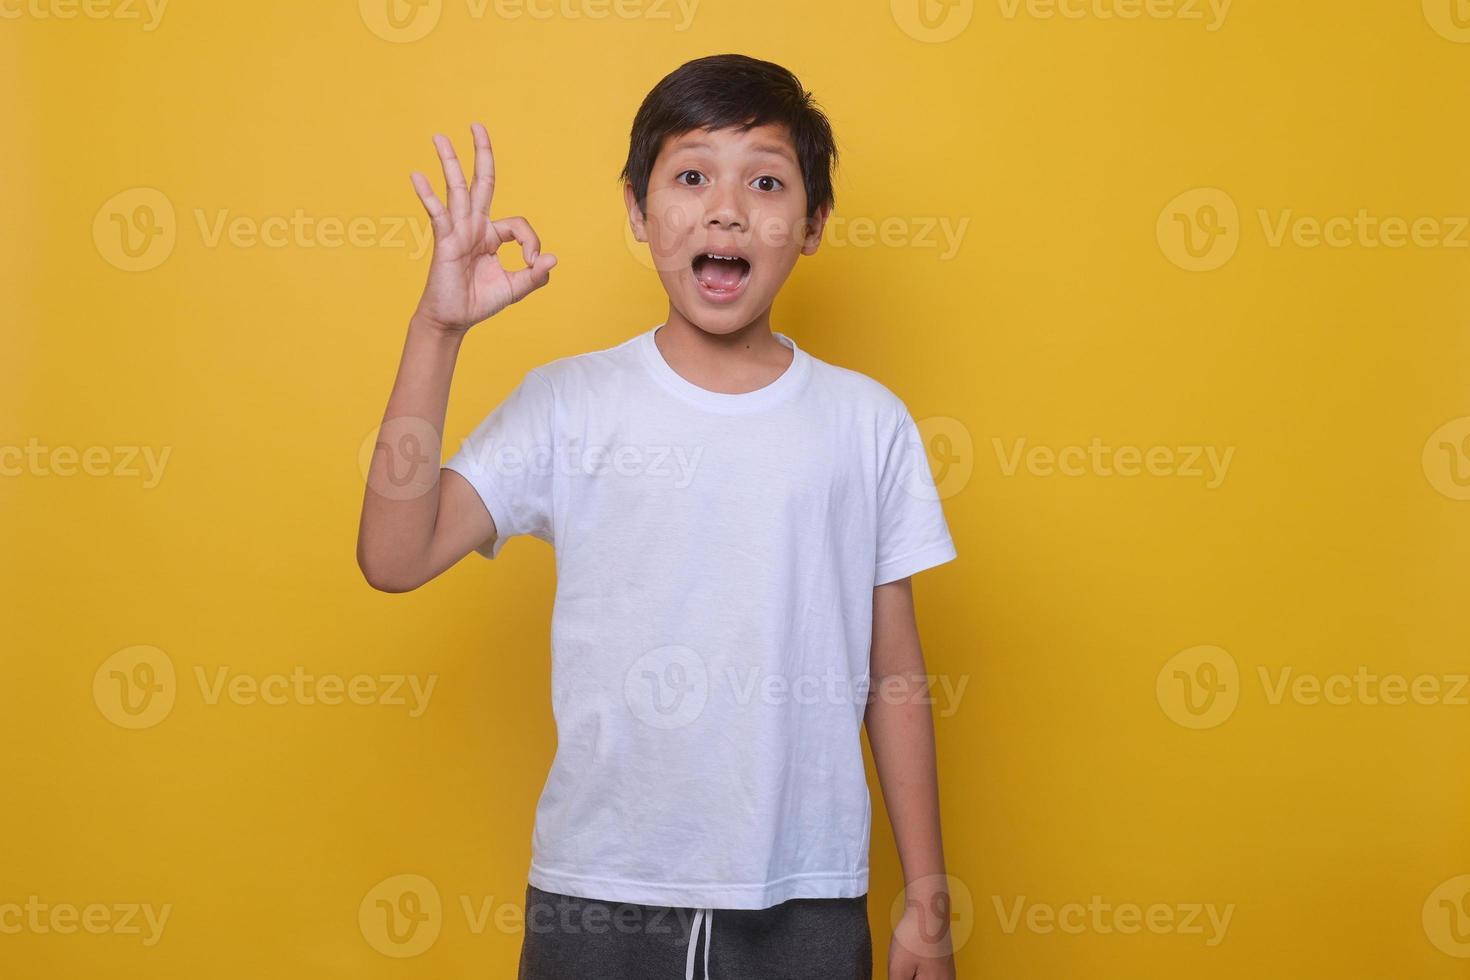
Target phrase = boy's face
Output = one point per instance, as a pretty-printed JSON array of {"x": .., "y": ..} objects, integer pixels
[{"x": 731, "y": 193}]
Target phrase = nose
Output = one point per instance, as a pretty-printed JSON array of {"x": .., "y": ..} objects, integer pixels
[{"x": 725, "y": 209}]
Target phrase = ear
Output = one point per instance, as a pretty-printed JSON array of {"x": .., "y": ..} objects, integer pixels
[
  {"x": 635, "y": 215},
  {"x": 813, "y": 227}
]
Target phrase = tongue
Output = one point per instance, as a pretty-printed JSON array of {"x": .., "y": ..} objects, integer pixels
[{"x": 720, "y": 273}]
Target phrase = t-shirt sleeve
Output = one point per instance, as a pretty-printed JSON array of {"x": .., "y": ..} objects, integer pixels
[
  {"x": 508, "y": 460},
  {"x": 912, "y": 532}
]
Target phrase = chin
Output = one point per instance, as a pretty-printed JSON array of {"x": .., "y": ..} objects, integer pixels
[{"x": 720, "y": 322}]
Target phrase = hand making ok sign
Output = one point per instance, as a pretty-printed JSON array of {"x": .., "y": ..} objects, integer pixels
[{"x": 467, "y": 281}]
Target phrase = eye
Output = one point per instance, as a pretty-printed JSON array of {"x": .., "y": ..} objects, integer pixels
[
  {"x": 774, "y": 180},
  {"x": 680, "y": 177}
]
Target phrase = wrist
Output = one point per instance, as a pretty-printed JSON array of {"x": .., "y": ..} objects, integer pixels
[
  {"x": 930, "y": 894},
  {"x": 420, "y": 325},
  {"x": 933, "y": 910}
]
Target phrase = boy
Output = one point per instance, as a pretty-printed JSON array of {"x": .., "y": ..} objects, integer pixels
[{"x": 734, "y": 522}]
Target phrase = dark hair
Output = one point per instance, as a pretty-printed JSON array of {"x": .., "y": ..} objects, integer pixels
[{"x": 732, "y": 90}]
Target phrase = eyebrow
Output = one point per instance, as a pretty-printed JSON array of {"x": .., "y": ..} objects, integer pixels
[{"x": 772, "y": 149}]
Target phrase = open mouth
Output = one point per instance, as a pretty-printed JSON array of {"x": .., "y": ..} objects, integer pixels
[{"x": 721, "y": 277}]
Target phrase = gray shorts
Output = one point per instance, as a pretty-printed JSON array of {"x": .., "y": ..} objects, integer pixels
[{"x": 569, "y": 937}]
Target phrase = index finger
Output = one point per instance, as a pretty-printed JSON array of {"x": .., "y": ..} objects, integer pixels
[{"x": 483, "y": 189}]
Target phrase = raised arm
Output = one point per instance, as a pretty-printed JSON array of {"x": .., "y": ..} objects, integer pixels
[{"x": 414, "y": 524}]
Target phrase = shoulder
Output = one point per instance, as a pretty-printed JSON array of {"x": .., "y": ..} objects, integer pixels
[
  {"x": 862, "y": 394},
  {"x": 580, "y": 371}
]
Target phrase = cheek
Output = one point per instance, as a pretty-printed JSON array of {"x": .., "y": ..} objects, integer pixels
[
  {"x": 674, "y": 213},
  {"x": 777, "y": 230},
  {"x": 672, "y": 218},
  {"x": 778, "y": 239}
]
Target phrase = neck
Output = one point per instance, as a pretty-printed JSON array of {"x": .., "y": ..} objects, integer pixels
[{"x": 733, "y": 363}]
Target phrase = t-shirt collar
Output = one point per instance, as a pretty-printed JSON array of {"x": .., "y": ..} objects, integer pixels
[{"x": 778, "y": 390}]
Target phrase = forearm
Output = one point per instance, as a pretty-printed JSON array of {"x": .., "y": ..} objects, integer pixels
[
  {"x": 901, "y": 733},
  {"x": 401, "y": 500}
]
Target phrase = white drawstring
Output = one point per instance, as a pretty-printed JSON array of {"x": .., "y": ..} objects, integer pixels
[{"x": 707, "y": 916}]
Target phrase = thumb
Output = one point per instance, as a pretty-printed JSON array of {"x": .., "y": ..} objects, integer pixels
[{"x": 526, "y": 281}]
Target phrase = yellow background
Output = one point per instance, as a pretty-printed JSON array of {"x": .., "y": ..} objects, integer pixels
[{"x": 1070, "y": 766}]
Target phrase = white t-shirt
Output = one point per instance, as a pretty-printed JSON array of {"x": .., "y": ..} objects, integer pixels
[{"x": 716, "y": 556}]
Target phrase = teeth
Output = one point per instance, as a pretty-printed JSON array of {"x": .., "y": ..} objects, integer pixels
[{"x": 727, "y": 258}]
